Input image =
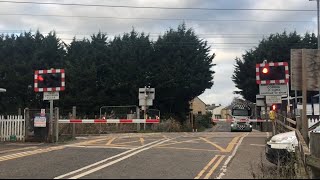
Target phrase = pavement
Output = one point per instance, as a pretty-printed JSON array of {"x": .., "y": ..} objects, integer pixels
[{"x": 201, "y": 155}]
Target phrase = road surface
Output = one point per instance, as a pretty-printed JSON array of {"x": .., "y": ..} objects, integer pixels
[{"x": 201, "y": 155}]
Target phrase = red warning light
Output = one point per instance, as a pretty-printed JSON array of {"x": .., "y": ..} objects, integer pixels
[
  {"x": 265, "y": 70},
  {"x": 40, "y": 78}
]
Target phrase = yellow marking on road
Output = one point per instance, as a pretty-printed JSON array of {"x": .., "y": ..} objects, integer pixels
[
  {"x": 178, "y": 142},
  {"x": 233, "y": 143},
  {"x": 206, "y": 167},
  {"x": 110, "y": 141},
  {"x": 118, "y": 145},
  {"x": 213, "y": 144},
  {"x": 142, "y": 141},
  {"x": 214, "y": 168},
  {"x": 89, "y": 142},
  {"x": 29, "y": 153},
  {"x": 165, "y": 136},
  {"x": 229, "y": 147},
  {"x": 191, "y": 149},
  {"x": 19, "y": 149},
  {"x": 122, "y": 143}
]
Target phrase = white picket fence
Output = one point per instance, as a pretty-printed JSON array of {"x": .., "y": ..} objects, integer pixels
[
  {"x": 313, "y": 121},
  {"x": 12, "y": 126}
]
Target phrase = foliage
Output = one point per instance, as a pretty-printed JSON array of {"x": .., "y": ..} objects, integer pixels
[
  {"x": 275, "y": 48},
  {"x": 104, "y": 72},
  {"x": 204, "y": 121}
]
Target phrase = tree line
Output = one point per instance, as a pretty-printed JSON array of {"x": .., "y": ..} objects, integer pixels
[
  {"x": 107, "y": 71},
  {"x": 274, "y": 48}
]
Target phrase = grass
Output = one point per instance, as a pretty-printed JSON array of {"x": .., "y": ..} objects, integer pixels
[{"x": 279, "y": 171}]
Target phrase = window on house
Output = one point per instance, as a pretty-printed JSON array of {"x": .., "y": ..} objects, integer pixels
[{"x": 199, "y": 112}]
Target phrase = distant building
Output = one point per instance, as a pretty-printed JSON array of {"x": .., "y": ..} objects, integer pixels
[
  {"x": 211, "y": 107},
  {"x": 198, "y": 106},
  {"x": 221, "y": 113},
  {"x": 216, "y": 113}
]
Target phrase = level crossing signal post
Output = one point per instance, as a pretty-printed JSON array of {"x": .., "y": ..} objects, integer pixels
[
  {"x": 50, "y": 82},
  {"x": 273, "y": 81},
  {"x": 146, "y": 97}
]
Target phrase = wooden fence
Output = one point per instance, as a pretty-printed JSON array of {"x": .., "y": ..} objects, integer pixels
[
  {"x": 308, "y": 154},
  {"x": 12, "y": 128}
]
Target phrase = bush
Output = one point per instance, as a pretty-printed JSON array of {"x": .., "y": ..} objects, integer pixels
[
  {"x": 204, "y": 121},
  {"x": 169, "y": 125},
  {"x": 279, "y": 171}
]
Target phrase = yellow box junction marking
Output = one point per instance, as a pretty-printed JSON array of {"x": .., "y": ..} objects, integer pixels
[
  {"x": 229, "y": 147},
  {"x": 29, "y": 153},
  {"x": 209, "y": 173},
  {"x": 110, "y": 141}
]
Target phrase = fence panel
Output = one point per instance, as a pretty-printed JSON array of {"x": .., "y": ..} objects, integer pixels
[{"x": 12, "y": 127}]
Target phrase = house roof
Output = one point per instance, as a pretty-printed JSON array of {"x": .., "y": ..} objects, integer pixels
[
  {"x": 217, "y": 111},
  {"x": 199, "y": 99}
]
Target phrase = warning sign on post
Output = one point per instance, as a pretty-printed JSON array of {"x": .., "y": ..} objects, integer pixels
[
  {"x": 273, "y": 100},
  {"x": 50, "y": 95},
  {"x": 273, "y": 90},
  {"x": 43, "y": 112},
  {"x": 40, "y": 121}
]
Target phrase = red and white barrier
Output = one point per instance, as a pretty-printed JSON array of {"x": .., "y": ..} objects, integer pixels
[
  {"x": 108, "y": 121},
  {"x": 238, "y": 120}
]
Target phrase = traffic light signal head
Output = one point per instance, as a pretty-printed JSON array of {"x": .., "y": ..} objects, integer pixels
[
  {"x": 265, "y": 70},
  {"x": 50, "y": 80},
  {"x": 272, "y": 73}
]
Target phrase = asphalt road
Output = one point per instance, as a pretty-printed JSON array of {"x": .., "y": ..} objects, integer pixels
[{"x": 204, "y": 155}]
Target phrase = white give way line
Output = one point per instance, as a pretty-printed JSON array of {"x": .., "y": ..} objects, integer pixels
[{"x": 106, "y": 162}]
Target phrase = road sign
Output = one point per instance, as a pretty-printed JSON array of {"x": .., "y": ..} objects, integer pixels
[
  {"x": 273, "y": 100},
  {"x": 260, "y": 100},
  {"x": 40, "y": 121},
  {"x": 273, "y": 90},
  {"x": 148, "y": 103},
  {"x": 43, "y": 112},
  {"x": 272, "y": 115},
  {"x": 148, "y": 93},
  {"x": 50, "y": 95}
]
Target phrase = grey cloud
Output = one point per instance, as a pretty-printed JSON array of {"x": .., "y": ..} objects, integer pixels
[{"x": 221, "y": 92}]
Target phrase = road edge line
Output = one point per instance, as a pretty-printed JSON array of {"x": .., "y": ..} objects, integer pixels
[{"x": 223, "y": 170}]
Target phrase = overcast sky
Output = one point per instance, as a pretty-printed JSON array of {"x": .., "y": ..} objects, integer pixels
[{"x": 226, "y": 37}]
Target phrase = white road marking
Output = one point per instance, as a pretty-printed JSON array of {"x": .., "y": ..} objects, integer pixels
[
  {"x": 105, "y": 160},
  {"x": 116, "y": 161},
  {"x": 260, "y": 145},
  {"x": 223, "y": 170}
]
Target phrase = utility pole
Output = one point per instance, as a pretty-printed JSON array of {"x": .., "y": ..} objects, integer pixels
[
  {"x": 145, "y": 106},
  {"x": 318, "y": 20}
]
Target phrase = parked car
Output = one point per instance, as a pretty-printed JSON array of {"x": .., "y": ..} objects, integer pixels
[{"x": 281, "y": 147}]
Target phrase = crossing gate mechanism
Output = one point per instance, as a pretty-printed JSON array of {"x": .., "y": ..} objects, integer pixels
[
  {"x": 109, "y": 121},
  {"x": 238, "y": 120}
]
